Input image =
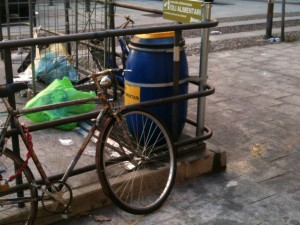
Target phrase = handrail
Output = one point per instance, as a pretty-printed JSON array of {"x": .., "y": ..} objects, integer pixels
[
  {"x": 43, "y": 125},
  {"x": 104, "y": 34}
]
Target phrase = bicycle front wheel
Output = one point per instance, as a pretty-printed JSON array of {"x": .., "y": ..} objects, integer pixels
[
  {"x": 136, "y": 161},
  {"x": 18, "y": 202}
]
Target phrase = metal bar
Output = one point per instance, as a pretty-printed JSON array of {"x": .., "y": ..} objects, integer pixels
[
  {"x": 32, "y": 19},
  {"x": 1, "y": 39},
  {"x": 269, "y": 18},
  {"x": 200, "y": 138},
  {"x": 67, "y": 23},
  {"x": 7, "y": 18},
  {"x": 77, "y": 44},
  {"x": 106, "y": 3},
  {"x": 209, "y": 90},
  {"x": 12, "y": 102},
  {"x": 112, "y": 42},
  {"x": 87, "y": 5},
  {"x": 55, "y": 123},
  {"x": 190, "y": 121},
  {"x": 176, "y": 71},
  {"x": 206, "y": 12},
  {"x": 56, "y": 105},
  {"x": 282, "y": 20},
  {"x": 9, "y": 74},
  {"x": 32, "y": 23},
  {"x": 104, "y": 34},
  {"x": 92, "y": 167}
]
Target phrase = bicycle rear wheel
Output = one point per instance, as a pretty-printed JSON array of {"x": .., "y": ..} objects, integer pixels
[
  {"x": 136, "y": 161},
  {"x": 16, "y": 212}
]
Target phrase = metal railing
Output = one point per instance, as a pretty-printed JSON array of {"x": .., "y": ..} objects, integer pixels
[{"x": 202, "y": 132}]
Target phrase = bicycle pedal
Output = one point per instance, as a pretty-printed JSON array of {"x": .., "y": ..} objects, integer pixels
[{"x": 4, "y": 186}]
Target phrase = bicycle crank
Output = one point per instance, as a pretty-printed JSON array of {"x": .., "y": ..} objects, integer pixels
[{"x": 57, "y": 197}]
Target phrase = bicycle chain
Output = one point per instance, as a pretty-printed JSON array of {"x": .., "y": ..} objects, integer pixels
[{"x": 25, "y": 163}]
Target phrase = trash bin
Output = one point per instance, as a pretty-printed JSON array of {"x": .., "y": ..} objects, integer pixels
[{"x": 151, "y": 76}]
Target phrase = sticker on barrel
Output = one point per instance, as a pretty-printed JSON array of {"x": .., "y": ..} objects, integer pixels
[{"x": 132, "y": 94}]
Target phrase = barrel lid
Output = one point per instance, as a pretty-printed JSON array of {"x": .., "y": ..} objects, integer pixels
[
  {"x": 157, "y": 35},
  {"x": 154, "y": 40}
]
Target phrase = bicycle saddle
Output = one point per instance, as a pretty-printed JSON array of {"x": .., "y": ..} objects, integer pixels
[{"x": 7, "y": 90}]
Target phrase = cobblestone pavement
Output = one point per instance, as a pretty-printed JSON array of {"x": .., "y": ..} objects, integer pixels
[{"x": 255, "y": 117}]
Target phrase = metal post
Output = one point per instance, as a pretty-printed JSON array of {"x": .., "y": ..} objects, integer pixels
[
  {"x": 176, "y": 71},
  {"x": 87, "y": 6},
  {"x": 12, "y": 102},
  {"x": 51, "y": 3},
  {"x": 7, "y": 19},
  {"x": 67, "y": 23},
  {"x": 269, "y": 18},
  {"x": 206, "y": 13},
  {"x": 76, "y": 31},
  {"x": 112, "y": 39},
  {"x": 1, "y": 39},
  {"x": 106, "y": 3},
  {"x": 282, "y": 20},
  {"x": 32, "y": 55},
  {"x": 9, "y": 77},
  {"x": 32, "y": 15}
]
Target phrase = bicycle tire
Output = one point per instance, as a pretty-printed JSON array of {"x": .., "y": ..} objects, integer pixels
[
  {"x": 137, "y": 183},
  {"x": 16, "y": 214}
]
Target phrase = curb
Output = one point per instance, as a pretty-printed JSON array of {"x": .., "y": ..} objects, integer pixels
[{"x": 91, "y": 196}]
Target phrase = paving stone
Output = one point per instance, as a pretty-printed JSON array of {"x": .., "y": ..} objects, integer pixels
[
  {"x": 290, "y": 163},
  {"x": 289, "y": 109},
  {"x": 287, "y": 183},
  {"x": 282, "y": 208}
]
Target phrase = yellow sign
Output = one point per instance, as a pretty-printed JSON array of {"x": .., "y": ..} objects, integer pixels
[
  {"x": 185, "y": 11},
  {"x": 132, "y": 94}
]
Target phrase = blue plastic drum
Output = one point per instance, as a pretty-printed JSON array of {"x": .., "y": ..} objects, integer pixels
[{"x": 151, "y": 76}]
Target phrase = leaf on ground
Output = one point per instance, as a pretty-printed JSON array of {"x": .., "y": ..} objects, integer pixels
[{"x": 102, "y": 218}]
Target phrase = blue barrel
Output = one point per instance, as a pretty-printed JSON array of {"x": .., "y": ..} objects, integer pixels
[{"x": 151, "y": 76}]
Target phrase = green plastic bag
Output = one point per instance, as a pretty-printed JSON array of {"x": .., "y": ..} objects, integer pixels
[{"x": 59, "y": 91}]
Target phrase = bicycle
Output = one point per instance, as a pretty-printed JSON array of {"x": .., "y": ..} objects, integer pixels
[{"x": 135, "y": 160}]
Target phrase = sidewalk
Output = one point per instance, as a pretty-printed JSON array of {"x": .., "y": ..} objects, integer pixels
[{"x": 255, "y": 116}]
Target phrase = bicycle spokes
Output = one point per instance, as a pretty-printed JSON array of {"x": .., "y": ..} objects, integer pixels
[{"x": 136, "y": 162}]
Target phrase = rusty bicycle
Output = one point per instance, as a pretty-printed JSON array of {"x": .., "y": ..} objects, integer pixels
[{"x": 135, "y": 159}]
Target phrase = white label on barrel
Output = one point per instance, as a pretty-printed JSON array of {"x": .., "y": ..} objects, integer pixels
[{"x": 132, "y": 94}]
